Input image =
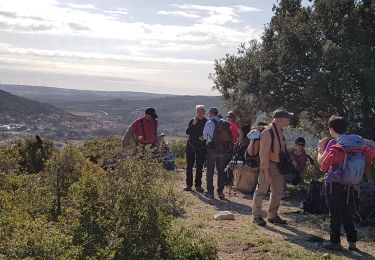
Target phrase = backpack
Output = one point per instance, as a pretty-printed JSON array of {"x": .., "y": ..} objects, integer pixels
[
  {"x": 314, "y": 199},
  {"x": 222, "y": 138},
  {"x": 129, "y": 140},
  {"x": 346, "y": 160},
  {"x": 252, "y": 151},
  {"x": 169, "y": 160}
]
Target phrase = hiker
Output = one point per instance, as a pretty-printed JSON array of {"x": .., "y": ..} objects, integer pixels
[
  {"x": 272, "y": 145},
  {"x": 300, "y": 159},
  {"x": 218, "y": 138},
  {"x": 340, "y": 196},
  {"x": 145, "y": 128},
  {"x": 235, "y": 129},
  {"x": 237, "y": 140},
  {"x": 195, "y": 149}
]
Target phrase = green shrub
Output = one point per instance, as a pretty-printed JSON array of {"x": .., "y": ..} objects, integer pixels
[
  {"x": 65, "y": 168},
  {"x": 34, "y": 154},
  {"x": 186, "y": 243},
  {"x": 128, "y": 212},
  {"x": 179, "y": 149},
  {"x": 103, "y": 151},
  {"x": 9, "y": 160}
]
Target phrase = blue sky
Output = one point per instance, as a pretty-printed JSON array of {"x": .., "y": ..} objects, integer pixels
[{"x": 153, "y": 46}]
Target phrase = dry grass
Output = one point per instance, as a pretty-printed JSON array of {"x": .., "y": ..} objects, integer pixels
[{"x": 241, "y": 239}]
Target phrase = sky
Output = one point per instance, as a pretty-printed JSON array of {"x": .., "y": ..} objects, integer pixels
[{"x": 153, "y": 46}]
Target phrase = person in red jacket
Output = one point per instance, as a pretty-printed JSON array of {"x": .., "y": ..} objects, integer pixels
[{"x": 145, "y": 128}]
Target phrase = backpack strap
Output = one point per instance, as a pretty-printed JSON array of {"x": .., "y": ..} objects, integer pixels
[
  {"x": 215, "y": 123},
  {"x": 272, "y": 139},
  {"x": 278, "y": 137}
]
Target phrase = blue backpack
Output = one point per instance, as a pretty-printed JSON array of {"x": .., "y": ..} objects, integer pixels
[{"x": 352, "y": 168}]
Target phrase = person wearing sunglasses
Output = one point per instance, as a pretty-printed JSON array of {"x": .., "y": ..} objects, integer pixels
[{"x": 300, "y": 159}]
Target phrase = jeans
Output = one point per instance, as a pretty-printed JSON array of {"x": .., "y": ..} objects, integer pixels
[
  {"x": 341, "y": 209},
  {"x": 197, "y": 158},
  {"x": 219, "y": 160}
]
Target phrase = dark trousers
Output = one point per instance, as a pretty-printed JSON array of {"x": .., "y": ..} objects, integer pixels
[
  {"x": 219, "y": 160},
  {"x": 197, "y": 158},
  {"x": 341, "y": 209}
]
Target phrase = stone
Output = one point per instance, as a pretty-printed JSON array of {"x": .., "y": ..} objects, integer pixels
[{"x": 224, "y": 215}]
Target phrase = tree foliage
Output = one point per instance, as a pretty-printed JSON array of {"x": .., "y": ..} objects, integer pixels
[{"x": 315, "y": 60}]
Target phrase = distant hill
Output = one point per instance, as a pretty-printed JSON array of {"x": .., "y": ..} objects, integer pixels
[
  {"x": 16, "y": 106},
  {"x": 61, "y": 95},
  {"x": 174, "y": 111},
  {"x": 79, "y": 114}
]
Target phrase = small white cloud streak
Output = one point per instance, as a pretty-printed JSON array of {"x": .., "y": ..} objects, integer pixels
[
  {"x": 80, "y": 6},
  {"x": 179, "y": 13}
]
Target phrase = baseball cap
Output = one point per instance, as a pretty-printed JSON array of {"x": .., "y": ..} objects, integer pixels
[
  {"x": 213, "y": 110},
  {"x": 151, "y": 111},
  {"x": 282, "y": 113}
]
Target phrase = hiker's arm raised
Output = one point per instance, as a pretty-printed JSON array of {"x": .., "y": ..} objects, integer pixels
[{"x": 322, "y": 153}]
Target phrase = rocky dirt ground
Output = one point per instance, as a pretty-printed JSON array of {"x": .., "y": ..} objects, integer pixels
[{"x": 240, "y": 239}]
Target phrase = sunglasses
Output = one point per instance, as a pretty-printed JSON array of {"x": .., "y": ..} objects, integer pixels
[
  {"x": 299, "y": 144},
  {"x": 229, "y": 116}
]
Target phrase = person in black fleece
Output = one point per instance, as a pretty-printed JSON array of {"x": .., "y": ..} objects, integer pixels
[{"x": 195, "y": 149}]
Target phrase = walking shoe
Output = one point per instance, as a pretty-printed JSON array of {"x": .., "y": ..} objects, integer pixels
[
  {"x": 221, "y": 195},
  {"x": 199, "y": 189},
  {"x": 259, "y": 221},
  {"x": 277, "y": 220},
  {"x": 334, "y": 247},
  {"x": 187, "y": 188},
  {"x": 352, "y": 246},
  {"x": 209, "y": 195}
]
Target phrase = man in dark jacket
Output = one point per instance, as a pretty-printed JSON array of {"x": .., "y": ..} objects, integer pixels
[{"x": 195, "y": 149}]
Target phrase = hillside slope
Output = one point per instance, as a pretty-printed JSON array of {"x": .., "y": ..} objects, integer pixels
[{"x": 16, "y": 106}]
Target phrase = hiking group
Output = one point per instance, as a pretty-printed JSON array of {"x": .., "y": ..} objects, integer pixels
[{"x": 217, "y": 143}]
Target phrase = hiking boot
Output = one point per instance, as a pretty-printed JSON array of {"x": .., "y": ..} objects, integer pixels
[
  {"x": 333, "y": 247},
  {"x": 277, "y": 220},
  {"x": 209, "y": 195},
  {"x": 259, "y": 221},
  {"x": 221, "y": 195},
  {"x": 199, "y": 189},
  {"x": 187, "y": 188},
  {"x": 352, "y": 246}
]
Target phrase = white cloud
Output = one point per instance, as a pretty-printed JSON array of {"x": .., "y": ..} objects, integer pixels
[
  {"x": 179, "y": 13},
  {"x": 128, "y": 48},
  {"x": 218, "y": 14},
  {"x": 79, "y": 6},
  {"x": 246, "y": 9},
  {"x": 118, "y": 11}
]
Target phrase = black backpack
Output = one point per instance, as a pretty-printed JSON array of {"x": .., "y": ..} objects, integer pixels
[
  {"x": 315, "y": 198},
  {"x": 252, "y": 160}
]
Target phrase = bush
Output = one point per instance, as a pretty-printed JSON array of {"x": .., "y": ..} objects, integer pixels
[
  {"x": 9, "y": 160},
  {"x": 128, "y": 212},
  {"x": 179, "y": 149},
  {"x": 103, "y": 151},
  {"x": 34, "y": 153},
  {"x": 186, "y": 243}
]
